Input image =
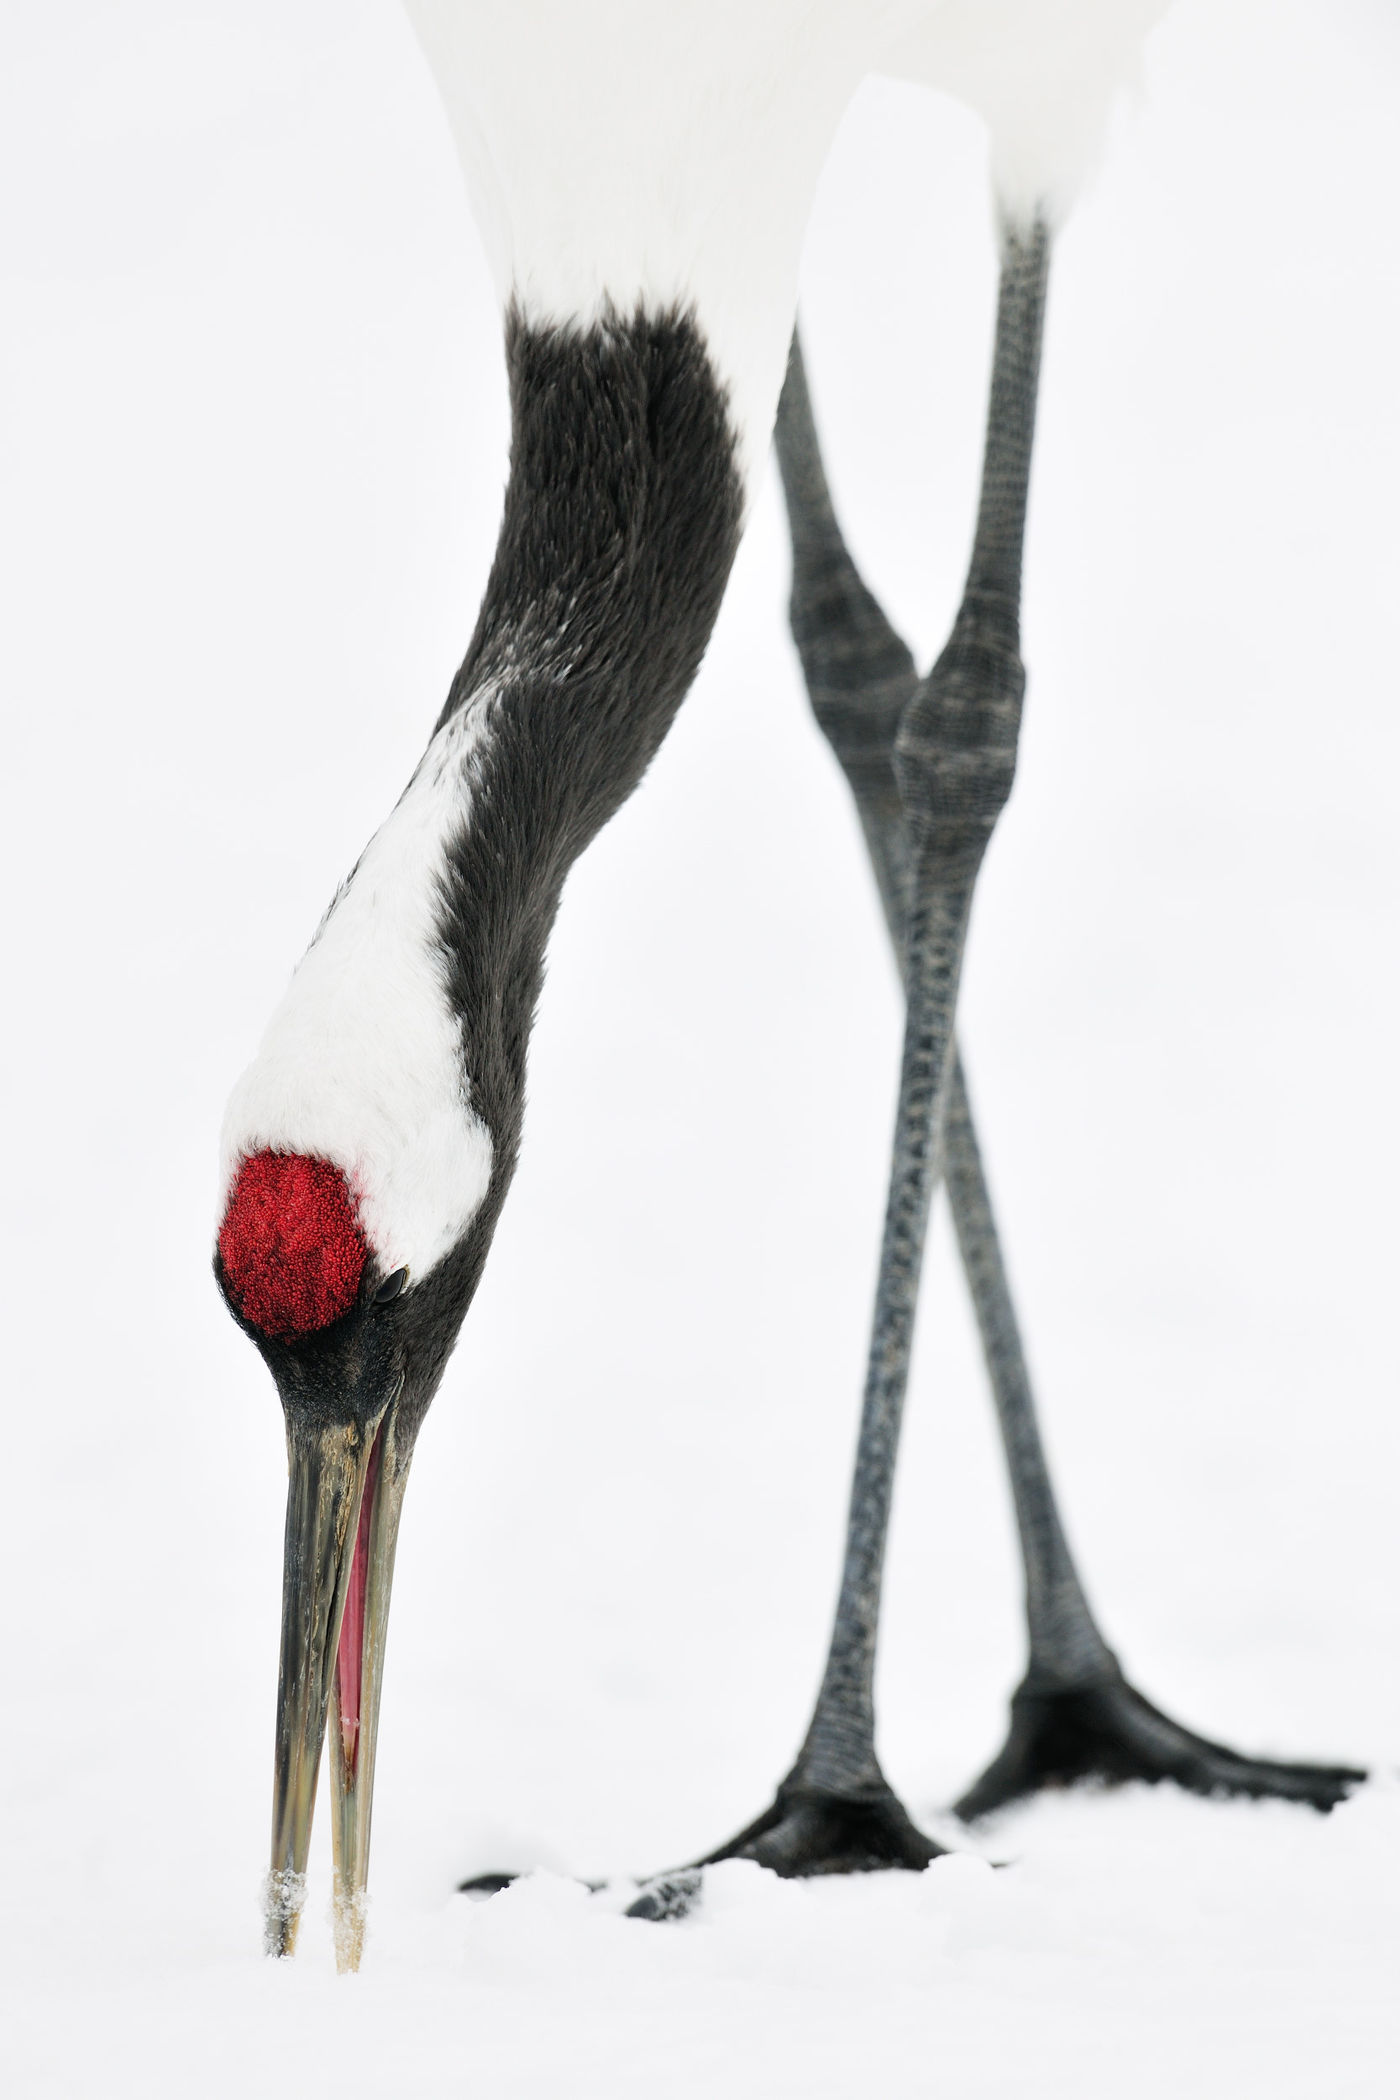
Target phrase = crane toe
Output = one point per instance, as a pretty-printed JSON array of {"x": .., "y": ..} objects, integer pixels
[{"x": 1110, "y": 1733}]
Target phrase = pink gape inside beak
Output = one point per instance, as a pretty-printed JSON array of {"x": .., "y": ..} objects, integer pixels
[{"x": 349, "y": 1659}]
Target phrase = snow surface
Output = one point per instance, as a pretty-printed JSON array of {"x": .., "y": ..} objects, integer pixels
[{"x": 253, "y": 442}]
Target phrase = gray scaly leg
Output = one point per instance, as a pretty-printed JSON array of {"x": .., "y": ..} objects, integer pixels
[
  {"x": 1074, "y": 1716},
  {"x": 930, "y": 766},
  {"x": 932, "y": 769},
  {"x": 860, "y": 678}
]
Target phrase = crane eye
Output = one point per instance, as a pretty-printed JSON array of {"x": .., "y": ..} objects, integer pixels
[{"x": 389, "y": 1289}]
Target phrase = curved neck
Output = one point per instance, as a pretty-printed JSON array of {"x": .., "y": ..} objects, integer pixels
[{"x": 622, "y": 517}]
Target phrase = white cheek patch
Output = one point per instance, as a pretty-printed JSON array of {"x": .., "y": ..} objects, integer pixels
[{"x": 362, "y": 1062}]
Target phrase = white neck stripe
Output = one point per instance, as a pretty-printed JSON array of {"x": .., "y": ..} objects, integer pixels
[{"x": 362, "y": 1062}]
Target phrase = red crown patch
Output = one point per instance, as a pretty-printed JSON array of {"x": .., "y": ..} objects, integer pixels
[{"x": 291, "y": 1245}]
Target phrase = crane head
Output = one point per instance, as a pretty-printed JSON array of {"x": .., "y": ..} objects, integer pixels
[{"x": 356, "y": 1354}]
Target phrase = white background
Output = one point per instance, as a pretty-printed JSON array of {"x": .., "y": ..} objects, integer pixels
[{"x": 252, "y": 439}]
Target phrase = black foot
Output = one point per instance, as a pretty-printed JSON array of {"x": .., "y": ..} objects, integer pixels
[
  {"x": 1111, "y": 1733},
  {"x": 811, "y": 1831},
  {"x": 807, "y": 1831}
]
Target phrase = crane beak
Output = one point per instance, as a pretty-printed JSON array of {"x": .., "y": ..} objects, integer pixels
[{"x": 344, "y": 1497}]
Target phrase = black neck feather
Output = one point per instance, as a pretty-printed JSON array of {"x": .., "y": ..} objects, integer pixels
[{"x": 622, "y": 516}]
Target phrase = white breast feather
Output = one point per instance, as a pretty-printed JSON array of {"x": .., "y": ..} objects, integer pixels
[
  {"x": 652, "y": 151},
  {"x": 667, "y": 151}
]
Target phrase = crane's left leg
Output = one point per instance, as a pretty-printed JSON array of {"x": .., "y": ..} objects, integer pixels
[{"x": 954, "y": 759}]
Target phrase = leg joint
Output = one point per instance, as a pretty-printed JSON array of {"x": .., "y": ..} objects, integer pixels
[
  {"x": 955, "y": 753},
  {"x": 859, "y": 673}
]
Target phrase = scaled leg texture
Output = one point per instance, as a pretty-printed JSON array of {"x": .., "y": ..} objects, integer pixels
[{"x": 930, "y": 764}]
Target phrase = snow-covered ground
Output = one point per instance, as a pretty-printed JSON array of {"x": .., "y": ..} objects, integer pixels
[{"x": 253, "y": 439}]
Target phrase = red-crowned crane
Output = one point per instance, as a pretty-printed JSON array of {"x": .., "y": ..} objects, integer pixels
[{"x": 642, "y": 175}]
